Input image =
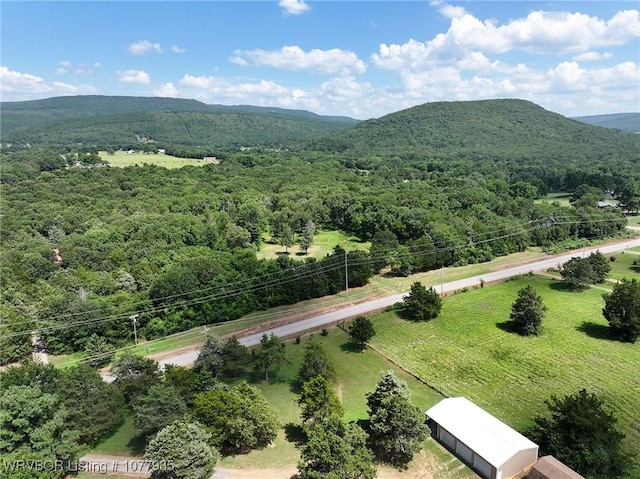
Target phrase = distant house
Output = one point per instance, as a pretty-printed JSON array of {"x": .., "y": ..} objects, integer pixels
[
  {"x": 607, "y": 204},
  {"x": 548, "y": 467},
  {"x": 483, "y": 442},
  {"x": 130, "y": 152},
  {"x": 210, "y": 159},
  {"x": 161, "y": 151}
]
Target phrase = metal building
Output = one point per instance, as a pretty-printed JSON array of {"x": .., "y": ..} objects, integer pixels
[{"x": 483, "y": 442}]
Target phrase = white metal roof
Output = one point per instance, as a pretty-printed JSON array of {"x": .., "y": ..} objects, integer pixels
[{"x": 489, "y": 437}]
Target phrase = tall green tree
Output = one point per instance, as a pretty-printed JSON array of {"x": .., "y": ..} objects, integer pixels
[
  {"x": 527, "y": 312},
  {"x": 308, "y": 233},
  {"x": 361, "y": 330},
  {"x": 239, "y": 419},
  {"x": 135, "y": 375},
  {"x": 622, "y": 310},
  {"x": 578, "y": 273},
  {"x": 95, "y": 408},
  {"x": 235, "y": 357},
  {"x": 397, "y": 427},
  {"x": 336, "y": 451},
  {"x": 421, "y": 304},
  {"x": 159, "y": 407},
  {"x": 181, "y": 451},
  {"x": 318, "y": 402},
  {"x": 601, "y": 266},
  {"x": 211, "y": 355},
  {"x": 98, "y": 351},
  {"x": 271, "y": 354},
  {"x": 316, "y": 362},
  {"x": 33, "y": 421},
  {"x": 579, "y": 431}
]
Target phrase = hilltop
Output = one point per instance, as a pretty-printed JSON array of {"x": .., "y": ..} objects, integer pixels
[
  {"x": 479, "y": 129},
  {"x": 119, "y": 120}
]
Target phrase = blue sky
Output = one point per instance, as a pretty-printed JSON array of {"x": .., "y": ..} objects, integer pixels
[{"x": 357, "y": 58}]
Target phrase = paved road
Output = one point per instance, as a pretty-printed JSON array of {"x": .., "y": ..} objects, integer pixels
[{"x": 316, "y": 322}]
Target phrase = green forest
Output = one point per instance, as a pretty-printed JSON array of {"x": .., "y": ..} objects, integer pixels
[{"x": 85, "y": 247}]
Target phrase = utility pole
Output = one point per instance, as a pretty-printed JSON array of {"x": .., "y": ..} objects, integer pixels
[
  {"x": 135, "y": 330},
  {"x": 346, "y": 273}
]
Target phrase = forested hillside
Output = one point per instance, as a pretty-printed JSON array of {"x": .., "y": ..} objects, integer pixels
[
  {"x": 123, "y": 122},
  {"x": 480, "y": 130}
]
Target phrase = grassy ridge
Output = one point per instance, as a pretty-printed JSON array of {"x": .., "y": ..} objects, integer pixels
[{"x": 468, "y": 351}]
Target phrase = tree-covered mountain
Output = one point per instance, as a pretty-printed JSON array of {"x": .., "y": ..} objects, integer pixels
[
  {"x": 621, "y": 121},
  {"x": 488, "y": 129},
  {"x": 102, "y": 121}
]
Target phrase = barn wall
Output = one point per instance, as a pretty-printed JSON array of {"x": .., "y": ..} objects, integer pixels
[{"x": 520, "y": 463}]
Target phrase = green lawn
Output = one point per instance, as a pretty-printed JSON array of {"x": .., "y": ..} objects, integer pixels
[
  {"x": 633, "y": 220},
  {"x": 560, "y": 197},
  {"x": 122, "y": 443},
  {"x": 323, "y": 244},
  {"x": 467, "y": 351},
  {"x": 121, "y": 159},
  {"x": 623, "y": 266}
]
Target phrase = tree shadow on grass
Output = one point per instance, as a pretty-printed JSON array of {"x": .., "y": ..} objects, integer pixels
[
  {"x": 294, "y": 433},
  {"x": 351, "y": 347},
  {"x": 507, "y": 326},
  {"x": 137, "y": 444},
  {"x": 595, "y": 330},
  {"x": 569, "y": 288}
]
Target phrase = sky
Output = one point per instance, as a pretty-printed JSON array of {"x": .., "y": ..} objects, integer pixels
[{"x": 361, "y": 59}]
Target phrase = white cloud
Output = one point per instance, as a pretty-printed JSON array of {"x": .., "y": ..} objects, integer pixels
[
  {"x": 143, "y": 47},
  {"x": 294, "y": 58},
  {"x": 344, "y": 88},
  {"x": 293, "y": 7},
  {"x": 15, "y": 86},
  {"x": 134, "y": 76},
  {"x": 177, "y": 49},
  {"x": 166, "y": 90},
  {"x": 97, "y": 65},
  {"x": 61, "y": 71},
  {"x": 64, "y": 63},
  {"x": 591, "y": 56}
]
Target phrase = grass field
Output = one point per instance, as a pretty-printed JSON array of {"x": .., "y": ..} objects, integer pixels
[
  {"x": 121, "y": 159},
  {"x": 357, "y": 374},
  {"x": 561, "y": 197},
  {"x": 633, "y": 220},
  {"x": 468, "y": 351},
  {"x": 323, "y": 244},
  {"x": 623, "y": 266}
]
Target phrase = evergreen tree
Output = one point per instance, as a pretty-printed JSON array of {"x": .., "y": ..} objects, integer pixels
[
  {"x": 318, "y": 402},
  {"x": 527, "y": 312},
  {"x": 211, "y": 355},
  {"x": 421, "y": 304},
  {"x": 622, "y": 310},
  {"x": 397, "y": 427},
  {"x": 316, "y": 362},
  {"x": 270, "y": 354}
]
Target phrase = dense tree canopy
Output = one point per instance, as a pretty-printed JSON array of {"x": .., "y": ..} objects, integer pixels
[
  {"x": 316, "y": 362},
  {"x": 361, "y": 330},
  {"x": 580, "y": 431}
]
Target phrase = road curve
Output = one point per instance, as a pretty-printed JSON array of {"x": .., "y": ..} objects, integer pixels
[{"x": 315, "y": 322}]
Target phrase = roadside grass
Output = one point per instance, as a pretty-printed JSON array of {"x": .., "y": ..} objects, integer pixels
[
  {"x": 121, "y": 159},
  {"x": 636, "y": 249},
  {"x": 323, "y": 244},
  {"x": 469, "y": 351},
  {"x": 560, "y": 197},
  {"x": 623, "y": 266},
  {"x": 397, "y": 284}
]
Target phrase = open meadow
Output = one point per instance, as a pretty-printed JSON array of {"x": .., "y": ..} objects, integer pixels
[
  {"x": 121, "y": 159},
  {"x": 469, "y": 351},
  {"x": 323, "y": 243}
]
